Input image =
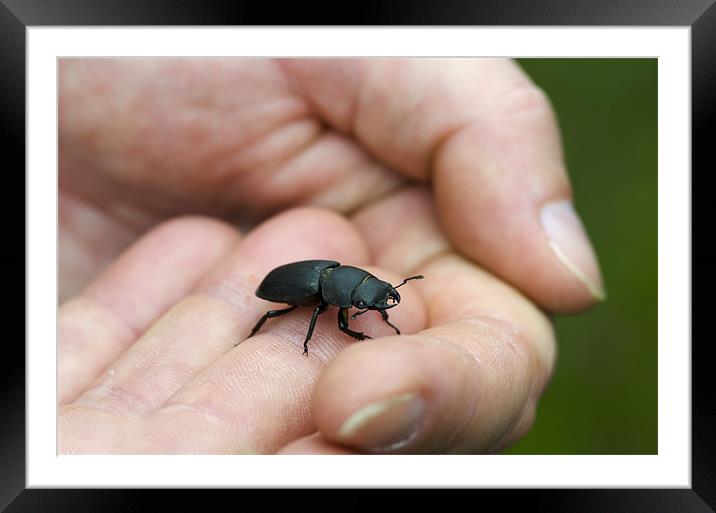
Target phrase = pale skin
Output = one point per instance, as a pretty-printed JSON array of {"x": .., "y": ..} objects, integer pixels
[{"x": 405, "y": 167}]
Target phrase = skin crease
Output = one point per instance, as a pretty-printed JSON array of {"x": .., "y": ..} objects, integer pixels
[{"x": 147, "y": 353}]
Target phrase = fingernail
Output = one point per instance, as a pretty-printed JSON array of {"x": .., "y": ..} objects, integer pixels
[
  {"x": 570, "y": 243},
  {"x": 387, "y": 424}
]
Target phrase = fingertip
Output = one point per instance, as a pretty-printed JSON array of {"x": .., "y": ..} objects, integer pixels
[{"x": 370, "y": 397}]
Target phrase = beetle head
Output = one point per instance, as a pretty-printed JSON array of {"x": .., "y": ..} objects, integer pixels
[{"x": 374, "y": 294}]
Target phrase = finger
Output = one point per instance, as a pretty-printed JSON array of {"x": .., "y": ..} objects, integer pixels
[
  {"x": 98, "y": 325},
  {"x": 468, "y": 384},
  {"x": 314, "y": 444},
  {"x": 487, "y": 138},
  {"x": 256, "y": 398},
  {"x": 206, "y": 325}
]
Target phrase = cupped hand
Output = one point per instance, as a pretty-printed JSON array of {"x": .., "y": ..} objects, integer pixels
[{"x": 451, "y": 169}]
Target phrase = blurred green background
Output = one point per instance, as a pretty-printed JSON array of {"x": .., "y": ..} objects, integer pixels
[{"x": 603, "y": 396}]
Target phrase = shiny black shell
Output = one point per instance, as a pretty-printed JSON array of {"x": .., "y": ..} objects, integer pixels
[
  {"x": 297, "y": 283},
  {"x": 338, "y": 286}
]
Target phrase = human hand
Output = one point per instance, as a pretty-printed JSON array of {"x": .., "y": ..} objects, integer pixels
[{"x": 487, "y": 351}]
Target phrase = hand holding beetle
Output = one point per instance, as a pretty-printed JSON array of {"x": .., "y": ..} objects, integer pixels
[{"x": 457, "y": 177}]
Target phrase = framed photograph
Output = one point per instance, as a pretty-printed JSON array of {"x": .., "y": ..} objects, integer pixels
[{"x": 521, "y": 175}]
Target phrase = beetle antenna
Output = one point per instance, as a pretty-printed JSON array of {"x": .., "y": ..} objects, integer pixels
[{"x": 406, "y": 280}]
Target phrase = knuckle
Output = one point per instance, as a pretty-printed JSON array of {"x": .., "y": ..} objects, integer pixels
[
  {"x": 528, "y": 100},
  {"x": 522, "y": 117},
  {"x": 115, "y": 399},
  {"x": 512, "y": 348},
  {"x": 526, "y": 110},
  {"x": 205, "y": 414}
]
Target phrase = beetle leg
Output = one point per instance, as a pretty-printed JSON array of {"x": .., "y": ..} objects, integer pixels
[
  {"x": 384, "y": 315},
  {"x": 268, "y": 315},
  {"x": 343, "y": 325},
  {"x": 316, "y": 312},
  {"x": 359, "y": 313}
]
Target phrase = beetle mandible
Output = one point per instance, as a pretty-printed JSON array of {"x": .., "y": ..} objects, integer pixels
[{"x": 321, "y": 283}]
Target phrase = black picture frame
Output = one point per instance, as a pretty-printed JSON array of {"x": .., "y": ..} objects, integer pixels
[{"x": 16, "y": 15}]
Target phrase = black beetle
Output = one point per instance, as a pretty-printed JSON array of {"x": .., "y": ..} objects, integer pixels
[{"x": 323, "y": 283}]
